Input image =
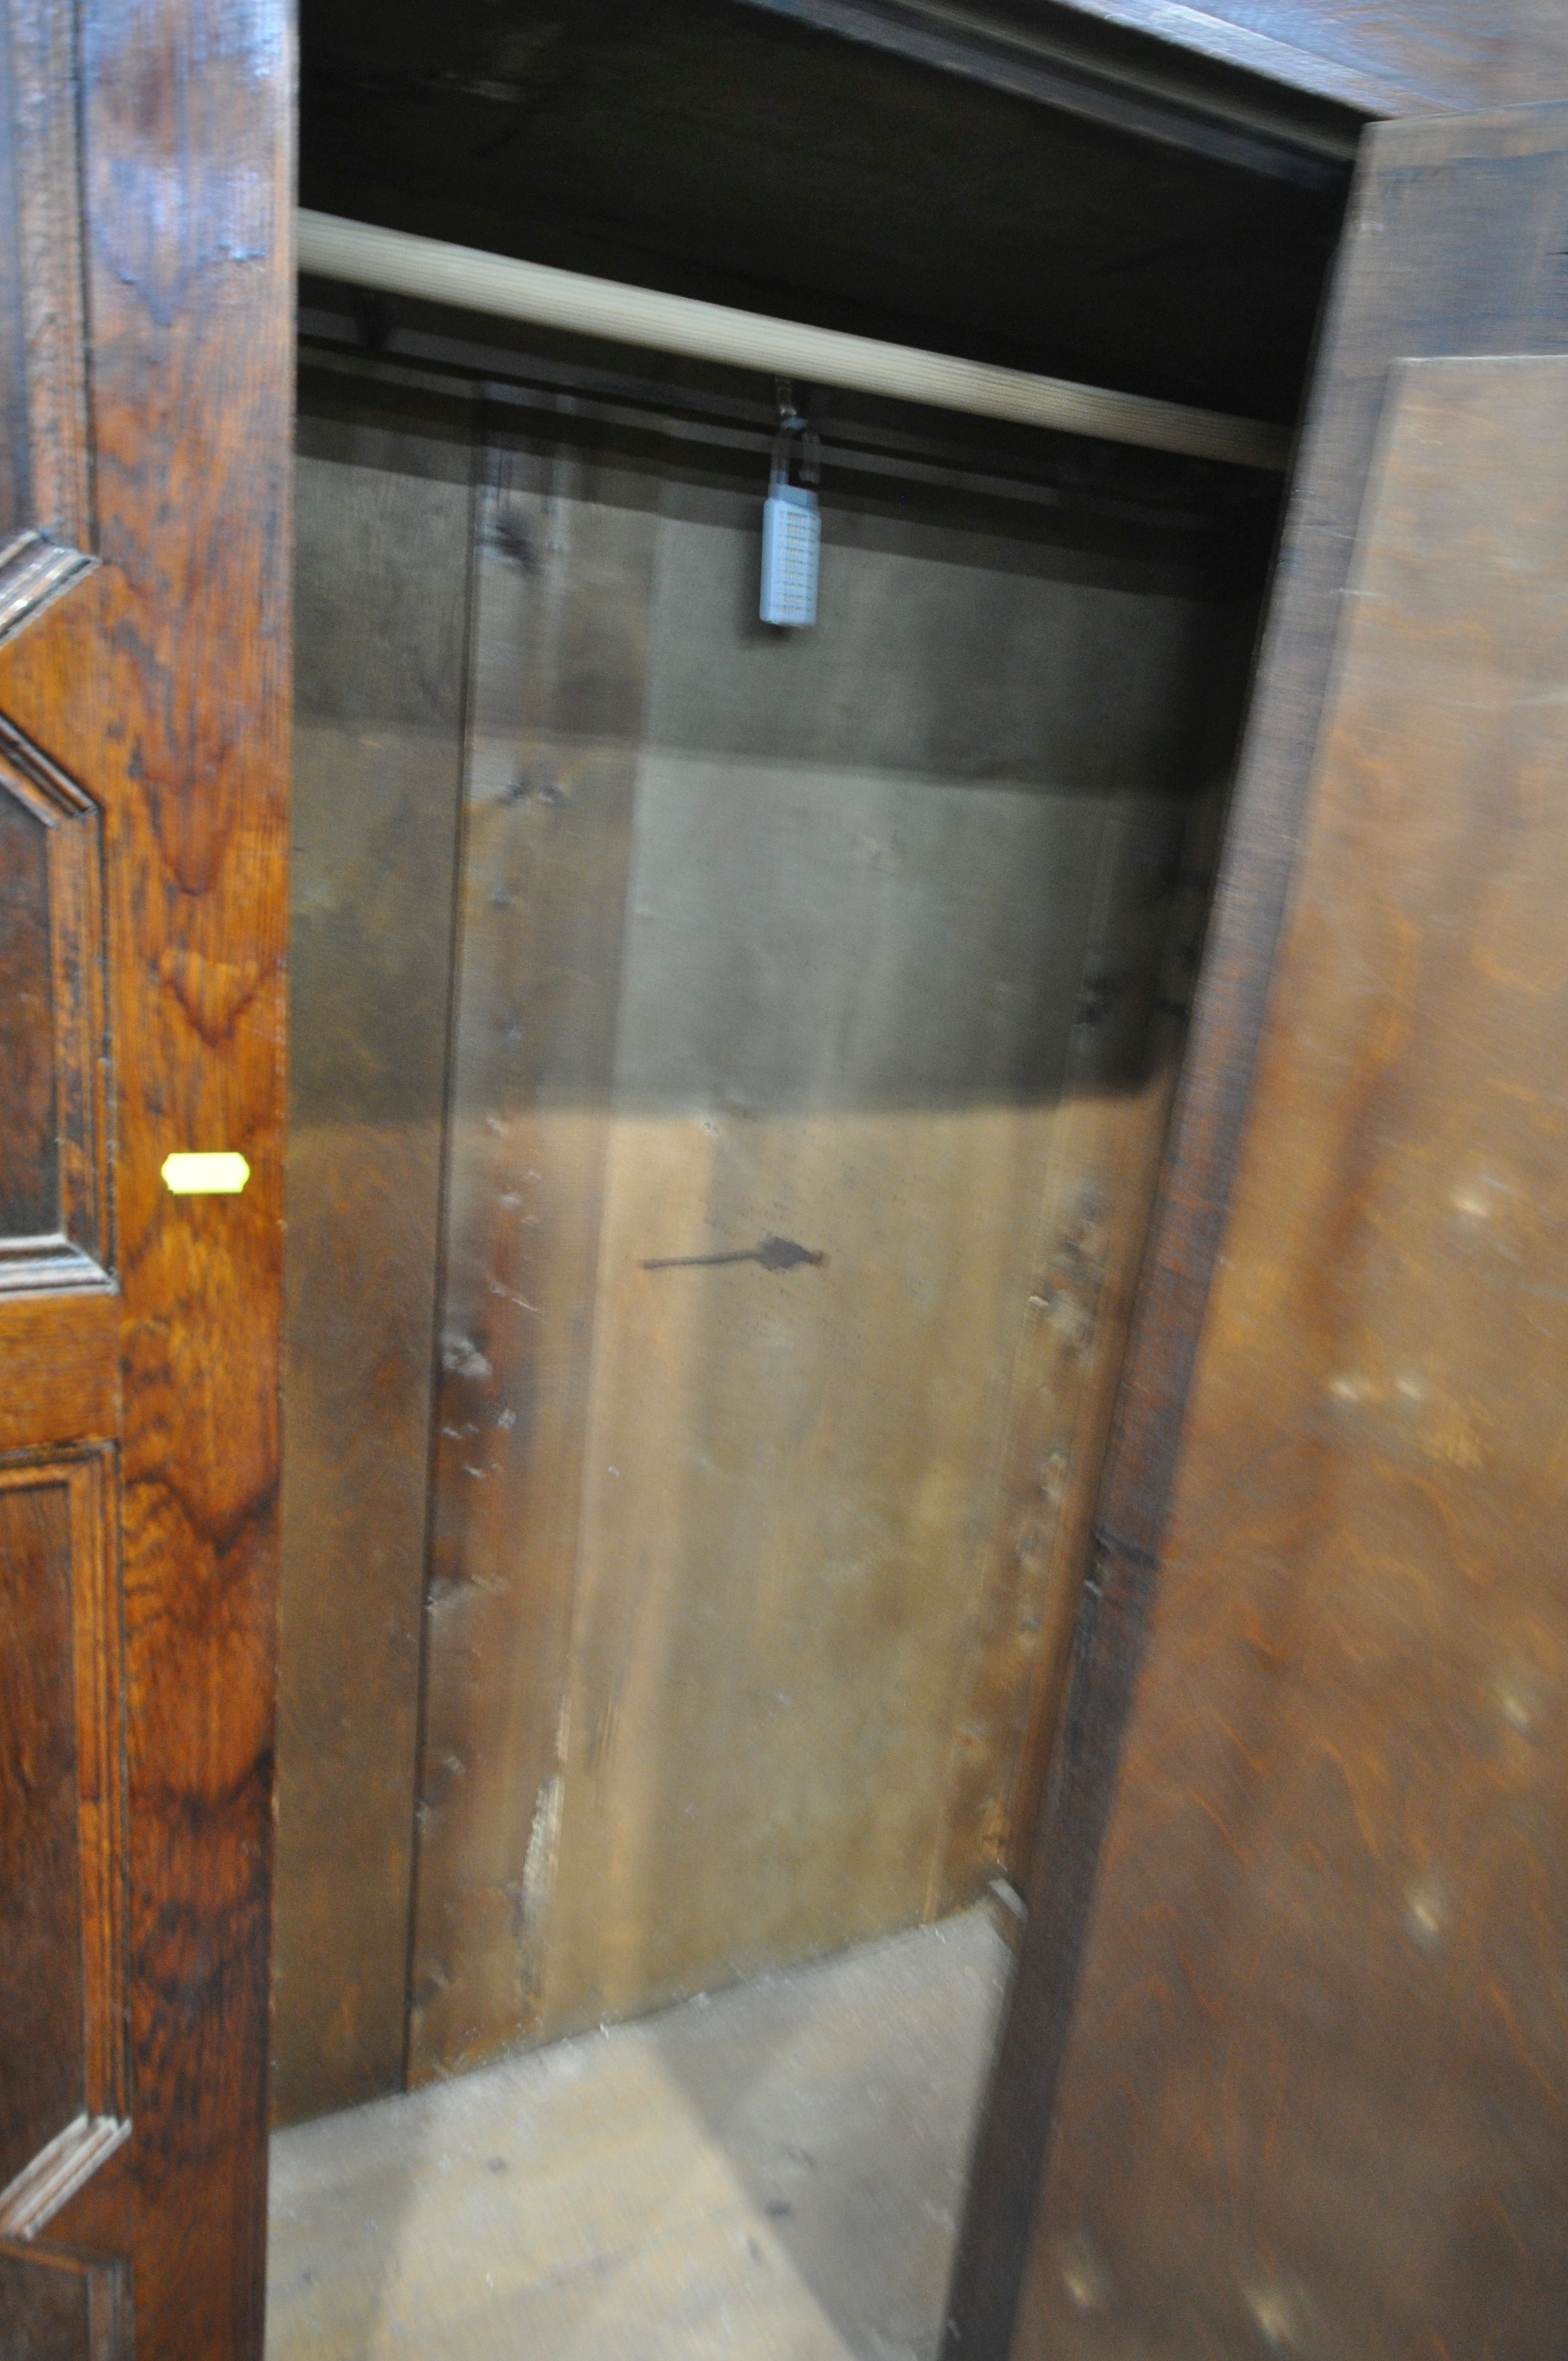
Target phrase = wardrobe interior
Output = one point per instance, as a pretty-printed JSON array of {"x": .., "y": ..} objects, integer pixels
[{"x": 729, "y": 1063}]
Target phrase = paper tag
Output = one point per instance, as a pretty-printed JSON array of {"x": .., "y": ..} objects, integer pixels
[{"x": 221, "y": 1172}]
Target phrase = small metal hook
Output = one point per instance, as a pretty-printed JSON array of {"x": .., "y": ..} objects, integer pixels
[{"x": 793, "y": 423}]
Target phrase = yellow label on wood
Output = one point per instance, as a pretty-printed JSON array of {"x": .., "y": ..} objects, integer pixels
[{"x": 220, "y": 1173}]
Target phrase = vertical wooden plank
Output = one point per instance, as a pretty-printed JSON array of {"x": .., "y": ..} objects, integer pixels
[
  {"x": 384, "y": 523},
  {"x": 1156, "y": 870},
  {"x": 1132, "y": 1129},
  {"x": 565, "y": 552}
]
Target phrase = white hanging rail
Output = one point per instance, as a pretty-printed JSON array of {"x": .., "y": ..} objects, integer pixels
[{"x": 401, "y": 264}]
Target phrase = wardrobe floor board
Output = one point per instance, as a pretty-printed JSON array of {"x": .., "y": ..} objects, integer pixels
[{"x": 771, "y": 2174}]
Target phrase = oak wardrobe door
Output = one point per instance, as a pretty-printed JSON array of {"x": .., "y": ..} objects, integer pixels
[
  {"x": 146, "y": 299},
  {"x": 1307, "y": 2093}
]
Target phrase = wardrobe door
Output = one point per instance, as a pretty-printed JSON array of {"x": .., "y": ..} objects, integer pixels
[
  {"x": 145, "y": 346},
  {"x": 1287, "y": 2057}
]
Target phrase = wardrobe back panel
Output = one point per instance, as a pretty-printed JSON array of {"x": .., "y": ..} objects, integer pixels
[
  {"x": 629, "y": 935},
  {"x": 809, "y": 1073}
]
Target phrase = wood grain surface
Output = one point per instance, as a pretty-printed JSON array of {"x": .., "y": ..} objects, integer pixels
[
  {"x": 65, "y": 2079},
  {"x": 1384, "y": 56},
  {"x": 384, "y": 499},
  {"x": 54, "y": 1178},
  {"x": 1448, "y": 250},
  {"x": 47, "y": 221},
  {"x": 1069, "y": 63},
  {"x": 1324, "y": 1957},
  {"x": 798, "y": 1030},
  {"x": 59, "y": 1369},
  {"x": 566, "y": 544},
  {"x": 576, "y": 1076},
  {"x": 160, "y": 682},
  {"x": 1129, "y": 1028},
  {"x": 43, "y": 2002},
  {"x": 55, "y": 2307}
]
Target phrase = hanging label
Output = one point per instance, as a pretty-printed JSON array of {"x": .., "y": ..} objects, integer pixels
[
  {"x": 792, "y": 527},
  {"x": 792, "y": 535}
]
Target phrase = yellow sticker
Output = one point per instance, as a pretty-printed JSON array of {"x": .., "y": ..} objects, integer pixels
[{"x": 220, "y": 1173}]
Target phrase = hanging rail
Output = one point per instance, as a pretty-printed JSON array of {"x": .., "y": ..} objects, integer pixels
[{"x": 400, "y": 264}]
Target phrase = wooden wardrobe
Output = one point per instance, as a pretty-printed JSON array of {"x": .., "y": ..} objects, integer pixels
[{"x": 794, "y": 1163}]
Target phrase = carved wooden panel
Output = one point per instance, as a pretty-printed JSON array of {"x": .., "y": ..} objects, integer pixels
[
  {"x": 46, "y": 496},
  {"x": 15, "y": 496},
  {"x": 53, "y": 1191},
  {"x": 44, "y": 46},
  {"x": 58, "y": 2307},
  {"x": 29, "y": 1185},
  {"x": 147, "y": 198},
  {"x": 46, "y": 477},
  {"x": 61, "y": 2072}
]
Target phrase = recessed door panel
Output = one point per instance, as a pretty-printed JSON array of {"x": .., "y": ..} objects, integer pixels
[
  {"x": 61, "y": 2306},
  {"x": 53, "y": 1054},
  {"x": 60, "y": 1854}
]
